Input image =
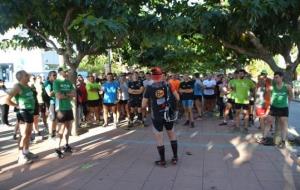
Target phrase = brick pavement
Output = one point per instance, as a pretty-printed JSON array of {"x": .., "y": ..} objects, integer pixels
[{"x": 210, "y": 158}]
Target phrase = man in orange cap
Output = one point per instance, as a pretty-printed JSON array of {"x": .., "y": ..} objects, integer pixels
[{"x": 162, "y": 97}]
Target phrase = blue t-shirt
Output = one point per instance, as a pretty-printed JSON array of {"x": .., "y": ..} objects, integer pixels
[
  {"x": 110, "y": 90},
  {"x": 197, "y": 87}
]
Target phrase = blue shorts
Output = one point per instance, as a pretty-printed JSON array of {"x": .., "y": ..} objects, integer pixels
[{"x": 187, "y": 103}]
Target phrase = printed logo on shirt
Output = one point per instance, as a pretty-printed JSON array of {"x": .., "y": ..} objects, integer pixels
[{"x": 159, "y": 93}]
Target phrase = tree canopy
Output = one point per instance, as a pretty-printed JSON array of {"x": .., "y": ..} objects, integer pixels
[
  {"x": 258, "y": 29},
  {"x": 178, "y": 35}
]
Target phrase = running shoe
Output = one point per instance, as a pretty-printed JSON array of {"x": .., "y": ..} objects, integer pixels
[
  {"x": 24, "y": 159},
  {"x": 281, "y": 145},
  {"x": 187, "y": 123},
  {"x": 30, "y": 155},
  {"x": 59, "y": 154},
  {"x": 67, "y": 148},
  {"x": 223, "y": 123},
  {"x": 245, "y": 131},
  {"x": 174, "y": 160},
  {"x": 161, "y": 163},
  {"x": 15, "y": 137}
]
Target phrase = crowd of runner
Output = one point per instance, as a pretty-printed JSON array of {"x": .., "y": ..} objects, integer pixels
[{"x": 132, "y": 97}]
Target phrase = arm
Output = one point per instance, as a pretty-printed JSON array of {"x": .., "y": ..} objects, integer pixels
[
  {"x": 176, "y": 95},
  {"x": 190, "y": 90},
  {"x": 48, "y": 90},
  {"x": 16, "y": 90},
  {"x": 71, "y": 94},
  {"x": 56, "y": 91},
  {"x": 181, "y": 90},
  {"x": 290, "y": 93},
  {"x": 145, "y": 103}
]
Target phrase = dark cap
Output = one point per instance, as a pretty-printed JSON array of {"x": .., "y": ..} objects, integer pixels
[
  {"x": 156, "y": 71},
  {"x": 60, "y": 69},
  {"x": 264, "y": 72}
]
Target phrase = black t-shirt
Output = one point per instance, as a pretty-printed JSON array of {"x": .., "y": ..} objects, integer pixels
[
  {"x": 157, "y": 93},
  {"x": 135, "y": 85},
  {"x": 187, "y": 85},
  {"x": 217, "y": 89}
]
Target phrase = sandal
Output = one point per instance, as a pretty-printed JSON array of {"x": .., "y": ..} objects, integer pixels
[
  {"x": 174, "y": 160},
  {"x": 160, "y": 163}
]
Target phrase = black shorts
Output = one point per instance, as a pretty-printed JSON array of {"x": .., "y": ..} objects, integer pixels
[
  {"x": 279, "y": 112},
  {"x": 25, "y": 115},
  {"x": 230, "y": 101},
  {"x": 36, "y": 109},
  {"x": 42, "y": 108},
  {"x": 64, "y": 116},
  {"x": 123, "y": 102},
  {"x": 135, "y": 102},
  {"x": 209, "y": 97},
  {"x": 241, "y": 106},
  {"x": 159, "y": 124},
  {"x": 198, "y": 97},
  {"x": 109, "y": 104},
  {"x": 93, "y": 103}
]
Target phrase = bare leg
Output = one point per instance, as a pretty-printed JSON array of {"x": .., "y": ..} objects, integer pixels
[
  {"x": 60, "y": 134},
  {"x": 186, "y": 113},
  {"x": 190, "y": 114},
  {"x": 114, "y": 111},
  {"x": 237, "y": 118},
  {"x": 159, "y": 138},
  {"x": 105, "y": 114},
  {"x": 246, "y": 120},
  {"x": 28, "y": 131},
  {"x": 96, "y": 112},
  {"x": 284, "y": 127},
  {"x": 36, "y": 124},
  {"x": 198, "y": 107}
]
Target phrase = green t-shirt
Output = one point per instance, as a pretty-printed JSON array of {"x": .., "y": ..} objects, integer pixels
[
  {"x": 63, "y": 86},
  {"x": 242, "y": 89},
  {"x": 25, "y": 99},
  {"x": 280, "y": 97},
  {"x": 231, "y": 84},
  {"x": 91, "y": 94}
]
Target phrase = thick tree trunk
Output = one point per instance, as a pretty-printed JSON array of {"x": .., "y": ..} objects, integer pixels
[
  {"x": 75, "y": 124},
  {"x": 289, "y": 75},
  {"x": 72, "y": 75}
]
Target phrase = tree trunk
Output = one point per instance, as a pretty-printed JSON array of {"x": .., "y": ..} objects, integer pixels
[
  {"x": 289, "y": 75},
  {"x": 72, "y": 75},
  {"x": 75, "y": 123}
]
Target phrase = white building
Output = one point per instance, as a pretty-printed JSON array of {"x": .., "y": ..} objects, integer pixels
[{"x": 34, "y": 61}]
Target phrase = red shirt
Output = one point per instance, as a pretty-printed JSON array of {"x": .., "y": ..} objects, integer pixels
[{"x": 82, "y": 97}]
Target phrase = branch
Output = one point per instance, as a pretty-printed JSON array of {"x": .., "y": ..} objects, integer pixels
[
  {"x": 65, "y": 27},
  {"x": 267, "y": 58},
  {"x": 79, "y": 57},
  {"x": 93, "y": 51},
  {"x": 59, "y": 51},
  {"x": 256, "y": 42},
  {"x": 240, "y": 50}
]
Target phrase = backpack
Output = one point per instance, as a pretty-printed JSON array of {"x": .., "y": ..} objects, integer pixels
[{"x": 170, "y": 114}]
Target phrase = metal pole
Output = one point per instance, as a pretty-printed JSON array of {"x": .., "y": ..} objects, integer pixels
[{"x": 108, "y": 65}]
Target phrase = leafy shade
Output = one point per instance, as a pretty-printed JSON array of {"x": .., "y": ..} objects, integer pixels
[{"x": 256, "y": 29}]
